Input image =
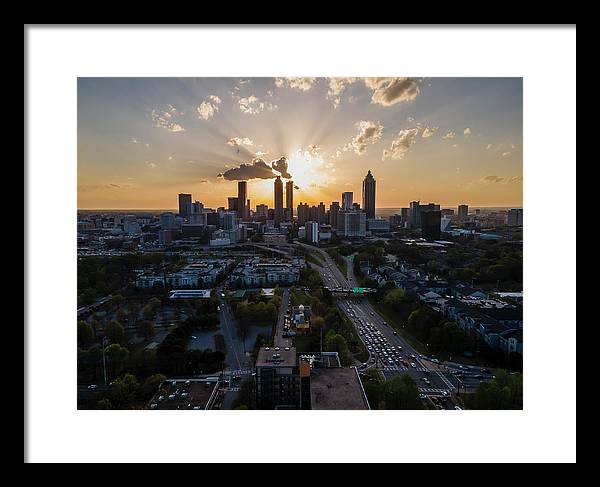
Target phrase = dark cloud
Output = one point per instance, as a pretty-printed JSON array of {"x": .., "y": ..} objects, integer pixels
[
  {"x": 257, "y": 169},
  {"x": 281, "y": 166},
  {"x": 296, "y": 187}
]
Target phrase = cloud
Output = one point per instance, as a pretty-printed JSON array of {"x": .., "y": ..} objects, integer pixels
[
  {"x": 401, "y": 144},
  {"x": 492, "y": 179},
  {"x": 428, "y": 132},
  {"x": 302, "y": 84},
  {"x": 449, "y": 135},
  {"x": 151, "y": 165},
  {"x": 256, "y": 169},
  {"x": 251, "y": 105},
  {"x": 93, "y": 187},
  {"x": 390, "y": 91},
  {"x": 405, "y": 139},
  {"x": 281, "y": 166},
  {"x": 455, "y": 146},
  {"x": 207, "y": 109},
  {"x": 133, "y": 140},
  {"x": 296, "y": 187},
  {"x": 162, "y": 119},
  {"x": 489, "y": 146},
  {"x": 368, "y": 133},
  {"x": 516, "y": 179},
  {"x": 237, "y": 141},
  {"x": 504, "y": 154},
  {"x": 467, "y": 131},
  {"x": 336, "y": 87},
  {"x": 204, "y": 181}
]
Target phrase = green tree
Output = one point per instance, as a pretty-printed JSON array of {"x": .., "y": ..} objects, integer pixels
[
  {"x": 125, "y": 390},
  {"x": 146, "y": 329},
  {"x": 395, "y": 298},
  {"x": 85, "y": 334},
  {"x": 115, "y": 332},
  {"x": 503, "y": 392},
  {"x": 151, "y": 385},
  {"x": 116, "y": 355},
  {"x": 401, "y": 392},
  {"x": 104, "y": 404},
  {"x": 335, "y": 342},
  {"x": 117, "y": 300}
]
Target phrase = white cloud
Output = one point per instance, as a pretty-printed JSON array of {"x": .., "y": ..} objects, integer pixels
[
  {"x": 151, "y": 165},
  {"x": 133, "y": 140},
  {"x": 489, "y": 146},
  {"x": 449, "y": 135},
  {"x": 401, "y": 144},
  {"x": 504, "y": 154},
  {"x": 336, "y": 87},
  {"x": 368, "y": 133},
  {"x": 207, "y": 109},
  {"x": 251, "y": 105},
  {"x": 390, "y": 91},
  {"x": 302, "y": 84},
  {"x": 467, "y": 131},
  {"x": 237, "y": 141},
  {"x": 428, "y": 132},
  {"x": 162, "y": 119}
]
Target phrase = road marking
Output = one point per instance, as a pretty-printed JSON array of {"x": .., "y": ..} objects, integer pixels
[{"x": 446, "y": 381}]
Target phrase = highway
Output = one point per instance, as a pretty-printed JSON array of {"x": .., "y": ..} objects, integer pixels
[{"x": 380, "y": 339}]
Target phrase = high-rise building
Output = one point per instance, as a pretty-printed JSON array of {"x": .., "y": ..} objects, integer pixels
[
  {"x": 334, "y": 210},
  {"x": 347, "y": 199},
  {"x": 185, "y": 205},
  {"x": 242, "y": 209},
  {"x": 352, "y": 224},
  {"x": 321, "y": 215},
  {"x": 415, "y": 216},
  {"x": 278, "y": 199},
  {"x": 289, "y": 196},
  {"x": 368, "y": 195},
  {"x": 515, "y": 217},
  {"x": 232, "y": 203},
  {"x": 312, "y": 231},
  {"x": 230, "y": 220},
  {"x": 463, "y": 212},
  {"x": 431, "y": 224},
  {"x": 197, "y": 207},
  {"x": 167, "y": 221},
  {"x": 303, "y": 212},
  {"x": 262, "y": 212},
  {"x": 404, "y": 215}
]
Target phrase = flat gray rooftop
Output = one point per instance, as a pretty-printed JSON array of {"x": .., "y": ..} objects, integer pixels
[
  {"x": 270, "y": 357},
  {"x": 336, "y": 388}
]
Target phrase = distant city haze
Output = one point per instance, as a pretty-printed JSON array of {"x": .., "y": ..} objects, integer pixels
[{"x": 142, "y": 141}]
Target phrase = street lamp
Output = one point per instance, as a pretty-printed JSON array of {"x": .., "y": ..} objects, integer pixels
[{"x": 104, "y": 358}]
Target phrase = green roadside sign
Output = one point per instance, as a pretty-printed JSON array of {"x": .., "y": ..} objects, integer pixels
[{"x": 358, "y": 290}]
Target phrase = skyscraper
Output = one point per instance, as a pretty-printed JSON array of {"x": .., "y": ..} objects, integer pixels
[
  {"x": 185, "y": 205},
  {"x": 303, "y": 213},
  {"x": 347, "y": 199},
  {"x": 431, "y": 224},
  {"x": 321, "y": 213},
  {"x": 278, "y": 199},
  {"x": 242, "y": 198},
  {"x": 289, "y": 197},
  {"x": 334, "y": 210},
  {"x": 368, "y": 195},
  {"x": 463, "y": 212},
  {"x": 232, "y": 203}
]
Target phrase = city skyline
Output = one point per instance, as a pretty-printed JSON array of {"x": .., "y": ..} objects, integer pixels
[{"x": 438, "y": 139}]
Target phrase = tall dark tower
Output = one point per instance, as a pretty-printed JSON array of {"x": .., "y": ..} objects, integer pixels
[
  {"x": 242, "y": 200},
  {"x": 278, "y": 199},
  {"x": 185, "y": 205},
  {"x": 368, "y": 195},
  {"x": 289, "y": 197}
]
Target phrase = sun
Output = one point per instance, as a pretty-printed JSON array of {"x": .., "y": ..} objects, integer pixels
[{"x": 310, "y": 171}]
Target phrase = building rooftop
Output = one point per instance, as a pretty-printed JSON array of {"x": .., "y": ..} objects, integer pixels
[
  {"x": 276, "y": 357},
  {"x": 337, "y": 388},
  {"x": 183, "y": 394}
]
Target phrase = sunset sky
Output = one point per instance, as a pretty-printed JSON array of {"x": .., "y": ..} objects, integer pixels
[{"x": 141, "y": 141}]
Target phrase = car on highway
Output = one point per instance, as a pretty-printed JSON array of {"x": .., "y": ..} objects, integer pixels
[
  {"x": 422, "y": 396},
  {"x": 457, "y": 408},
  {"x": 413, "y": 365},
  {"x": 395, "y": 333},
  {"x": 92, "y": 386}
]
